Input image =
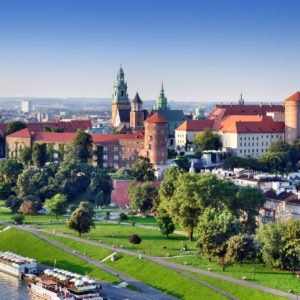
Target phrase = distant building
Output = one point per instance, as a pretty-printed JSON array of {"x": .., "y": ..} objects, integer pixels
[{"x": 26, "y": 106}]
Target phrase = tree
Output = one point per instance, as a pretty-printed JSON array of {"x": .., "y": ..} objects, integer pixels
[
  {"x": 250, "y": 200},
  {"x": 143, "y": 170},
  {"x": 26, "y": 156},
  {"x": 141, "y": 196},
  {"x": 6, "y": 190},
  {"x": 39, "y": 154},
  {"x": 214, "y": 230},
  {"x": 208, "y": 140},
  {"x": 242, "y": 162},
  {"x": 15, "y": 126},
  {"x": 18, "y": 219},
  {"x": 57, "y": 205},
  {"x": 134, "y": 239},
  {"x": 10, "y": 170},
  {"x": 239, "y": 248},
  {"x": 81, "y": 219},
  {"x": 122, "y": 217},
  {"x": 13, "y": 203},
  {"x": 81, "y": 147},
  {"x": 100, "y": 187},
  {"x": 28, "y": 208},
  {"x": 165, "y": 224},
  {"x": 269, "y": 237},
  {"x": 280, "y": 146},
  {"x": 184, "y": 206},
  {"x": 275, "y": 161}
]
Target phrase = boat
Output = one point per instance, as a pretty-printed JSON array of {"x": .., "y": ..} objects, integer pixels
[
  {"x": 59, "y": 284},
  {"x": 17, "y": 265}
]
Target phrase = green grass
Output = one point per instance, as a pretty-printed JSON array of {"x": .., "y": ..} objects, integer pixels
[
  {"x": 26, "y": 244},
  {"x": 6, "y": 214},
  {"x": 2, "y": 227},
  {"x": 148, "y": 272},
  {"x": 153, "y": 242},
  {"x": 274, "y": 278},
  {"x": 239, "y": 291},
  {"x": 150, "y": 221}
]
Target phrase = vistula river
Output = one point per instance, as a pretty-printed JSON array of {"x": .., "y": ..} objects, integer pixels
[{"x": 11, "y": 288}]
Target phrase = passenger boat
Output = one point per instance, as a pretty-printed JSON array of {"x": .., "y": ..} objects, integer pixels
[
  {"x": 58, "y": 284},
  {"x": 17, "y": 265}
]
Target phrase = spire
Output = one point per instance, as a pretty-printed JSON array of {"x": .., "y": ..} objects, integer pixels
[
  {"x": 241, "y": 100},
  {"x": 137, "y": 99},
  {"x": 162, "y": 101}
]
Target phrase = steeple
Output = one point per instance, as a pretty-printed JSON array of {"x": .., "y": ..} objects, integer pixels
[
  {"x": 120, "y": 89},
  {"x": 162, "y": 101},
  {"x": 241, "y": 100},
  {"x": 136, "y": 103}
]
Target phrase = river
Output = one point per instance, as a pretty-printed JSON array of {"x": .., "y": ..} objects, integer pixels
[{"x": 11, "y": 288}]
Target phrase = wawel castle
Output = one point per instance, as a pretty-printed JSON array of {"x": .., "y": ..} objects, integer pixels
[{"x": 245, "y": 129}]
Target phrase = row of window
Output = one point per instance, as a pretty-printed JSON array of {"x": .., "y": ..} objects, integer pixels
[
  {"x": 253, "y": 151},
  {"x": 261, "y": 136},
  {"x": 249, "y": 144}
]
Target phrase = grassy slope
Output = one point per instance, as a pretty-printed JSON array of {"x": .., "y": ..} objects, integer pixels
[
  {"x": 274, "y": 278},
  {"x": 148, "y": 272},
  {"x": 153, "y": 242},
  {"x": 241, "y": 292},
  {"x": 29, "y": 245}
]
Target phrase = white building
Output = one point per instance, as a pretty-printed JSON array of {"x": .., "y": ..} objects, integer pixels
[{"x": 26, "y": 106}]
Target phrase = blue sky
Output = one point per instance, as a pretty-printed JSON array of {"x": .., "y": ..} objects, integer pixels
[{"x": 203, "y": 50}]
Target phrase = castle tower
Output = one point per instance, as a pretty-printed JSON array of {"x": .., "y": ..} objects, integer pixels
[
  {"x": 136, "y": 114},
  {"x": 292, "y": 117},
  {"x": 120, "y": 97},
  {"x": 156, "y": 139},
  {"x": 241, "y": 100},
  {"x": 162, "y": 101}
]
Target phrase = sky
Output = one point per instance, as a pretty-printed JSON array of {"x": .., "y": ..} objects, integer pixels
[{"x": 202, "y": 50}]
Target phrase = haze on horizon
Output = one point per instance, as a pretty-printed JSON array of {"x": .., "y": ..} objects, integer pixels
[{"x": 203, "y": 50}]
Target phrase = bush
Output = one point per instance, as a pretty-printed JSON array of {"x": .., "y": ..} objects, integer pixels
[
  {"x": 18, "y": 219},
  {"x": 122, "y": 217},
  {"x": 132, "y": 213},
  {"x": 134, "y": 239}
]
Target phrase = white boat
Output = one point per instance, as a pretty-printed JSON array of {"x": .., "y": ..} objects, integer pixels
[
  {"x": 17, "y": 265},
  {"x": 59, "y": 284}
]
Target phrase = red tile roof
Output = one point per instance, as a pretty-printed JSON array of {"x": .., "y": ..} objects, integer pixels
[
  {"x": 294, "y": 97},
  {"x": 23, "y": 133},
  {"x": 263, "y": 125},
  {"x": 156, "y": 118},
  {"x": 195, "y": 125},
  {"x": 54, "y": 137}
]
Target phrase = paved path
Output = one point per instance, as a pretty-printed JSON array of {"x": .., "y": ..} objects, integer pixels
[{"x": 176, "y": 267}]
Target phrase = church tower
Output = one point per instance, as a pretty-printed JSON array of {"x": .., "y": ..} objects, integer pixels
[
  {"x": 162, "y": 101},
  {"x": 120, "y": 97},
  {"x": 136, "y": 114}
]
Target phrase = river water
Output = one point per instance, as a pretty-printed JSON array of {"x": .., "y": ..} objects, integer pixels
[{"x": 11, "y": 288}]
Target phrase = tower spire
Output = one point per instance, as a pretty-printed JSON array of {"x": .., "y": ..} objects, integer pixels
[{"x": 241, "y": 100}]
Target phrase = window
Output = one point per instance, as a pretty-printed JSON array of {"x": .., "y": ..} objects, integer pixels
[
  {"x": 116, "y": 148},
  {"x": 104, "y": 157},
  {"x": 116, "y": 157},
  {"x": 105, "y": 148},
  {"x": 104, "y": 165},
  {"x": 122, "y": 93}
]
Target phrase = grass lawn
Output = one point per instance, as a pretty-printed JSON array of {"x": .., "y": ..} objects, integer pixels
[
  {"x": 274, "y": 278},
  {"x": 153, "y": 242},
  {"x": 6, "y": 214},
  {"x": 241, "y": 292},
  {"x": 26, "y": 244},
  {"x": 2, "y": 227},
  {"x": 148, "y": 272}
]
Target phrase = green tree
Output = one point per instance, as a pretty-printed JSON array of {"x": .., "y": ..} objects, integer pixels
[
  {"x": 208, "y": 140},
  {"x": 184, "y": 205},
  {"x": 275, "y": 161},
  {"x": 15, "y": 126},
  {"x": 57, "y": 205},
  {"x": 165, "y": 224},
  {"x": 81, "y": 219},
  {"x": 143, "y": 170},
  {"x": 250, "y": 200},
  {"x": 280, "y": 146},
  {"x": 269, "y": 237},
  {"x": 18, "y": 219},
  {"x": 242, "y": 162},
  {"x": 239, "y": 248},
  {"x": 13, "y": 203},
  {"x": 80, "y": 148},
  {"x": 6, "y": 190},
  {"x": 134, "y": 239},
  {"x": 141, "y": 196},
  {"x": 39, "y": 154},
  {"x": 10, "y": 170},
  {"x": 26, "y": 156},
  {"x": 214, "y": 230}
]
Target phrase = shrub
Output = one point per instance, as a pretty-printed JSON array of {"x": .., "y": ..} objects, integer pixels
[
  {"x": 134, "y": 239},
  {"x": 122, "y": 217},
  {"x": 18, "y": 219}
]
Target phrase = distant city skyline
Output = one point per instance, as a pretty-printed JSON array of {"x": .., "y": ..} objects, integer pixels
[{"x": 202, "y": 50}]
